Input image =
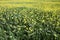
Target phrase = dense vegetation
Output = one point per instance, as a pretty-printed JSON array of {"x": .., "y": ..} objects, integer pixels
[{"x": 29, "y": 24}]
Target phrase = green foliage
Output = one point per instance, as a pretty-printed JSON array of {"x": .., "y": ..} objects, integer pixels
[{"x": 29, "y": 24}]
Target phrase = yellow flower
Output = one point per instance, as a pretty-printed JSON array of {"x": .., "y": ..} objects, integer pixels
[
  {"x": 14, "y": 30},
  {"x": 40, "y": 28},
  {"x": 25, "y": 21},
  {"x": 58, "y": 23},
  {"x": 51, "y": 19},
  {"x": 10, "y": 36},
  {"x": 30, "y": 29},
  {"x": 4, "y": 31},
  {"x": 43, "y": 20},
  {"x": 26, "y": 28},
  {"x": 55, "y": 35},
  {"x": 19, "y": 28}
]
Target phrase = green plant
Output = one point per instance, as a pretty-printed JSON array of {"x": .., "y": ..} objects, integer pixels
[{"x": 29, "y": 24}]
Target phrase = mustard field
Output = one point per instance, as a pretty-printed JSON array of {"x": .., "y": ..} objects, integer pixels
[{"x": 29, "y": 19}]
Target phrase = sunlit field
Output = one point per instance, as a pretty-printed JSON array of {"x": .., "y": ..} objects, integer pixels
[
  {"x": 46, "y": 5},
  {"x": 29, "y": 20}
]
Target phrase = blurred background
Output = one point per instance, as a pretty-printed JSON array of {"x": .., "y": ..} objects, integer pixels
[{"x": 40, "y": 4}]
